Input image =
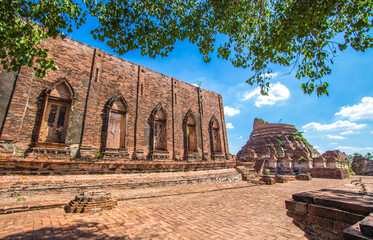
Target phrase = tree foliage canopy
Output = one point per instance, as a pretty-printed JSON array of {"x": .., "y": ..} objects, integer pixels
[{"x": 304, "y": 35}]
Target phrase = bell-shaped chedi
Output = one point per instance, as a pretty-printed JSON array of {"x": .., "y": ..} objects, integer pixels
[{"x": 279, "y": 147}]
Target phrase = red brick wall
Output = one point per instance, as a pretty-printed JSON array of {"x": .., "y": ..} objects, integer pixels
[
  {"x": 74, "y": 62},
  {"x": 78, "y": 64},
  {"x": 114, "y": 76},
  {"x": 212, "y": 106},
  {"x": 186, "y": 99},
  {"x": 157, "y": 89}
]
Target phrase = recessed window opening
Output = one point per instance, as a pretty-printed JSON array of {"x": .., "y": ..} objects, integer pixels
[{"x": 97, "y": 72}]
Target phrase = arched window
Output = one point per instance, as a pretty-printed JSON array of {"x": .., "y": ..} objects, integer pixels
[
  {"x": 190, "y": 133},
  {"x": 159, "y": 128},
  {"x": 55, "y": 122},
  {"x": 116, "y": 122},
  {"x": 215, "y": 135}
]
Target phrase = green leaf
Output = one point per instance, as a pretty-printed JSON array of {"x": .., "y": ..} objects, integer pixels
[{"x": 300, "y": 35}]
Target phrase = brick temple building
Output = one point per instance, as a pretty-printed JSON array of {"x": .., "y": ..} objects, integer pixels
[{"x": 98, "y": 108}]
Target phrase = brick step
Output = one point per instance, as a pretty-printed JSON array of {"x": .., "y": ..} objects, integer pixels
[
  {"x": 244, "y": 169},
  {"x": 28, "y": 207},
  {"x": 361, "y": 230},
  {"x": 250, "y": 176},
  {"x": 246, "y": 164},
  {"x": 248, "y": 173},
  {"x": 366, "y": 226}
]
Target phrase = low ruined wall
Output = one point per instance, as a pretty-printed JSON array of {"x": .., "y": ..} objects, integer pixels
[
  {"x": 19, "y": 184},
  {"x": 325, "y": 214},
  {"x": 362, "y": 166},
  {"x": 335, "y": 173},
  {"x": 46, "y": 167}
]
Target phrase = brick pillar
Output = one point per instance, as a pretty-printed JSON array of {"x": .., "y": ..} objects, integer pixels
[
  {"x": 138, "y": 153},
  {"x": 173, "y": 101},
  {"x": 200, "y": 109},
  {"x": 75, "y": 150},
  {"x": 222, "y": 120}
]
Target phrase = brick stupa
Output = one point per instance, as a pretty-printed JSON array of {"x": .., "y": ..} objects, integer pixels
[{"x": 280, "y": 147}]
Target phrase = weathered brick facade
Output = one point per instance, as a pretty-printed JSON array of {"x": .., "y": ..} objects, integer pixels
[{"x": 97, "y": 102}]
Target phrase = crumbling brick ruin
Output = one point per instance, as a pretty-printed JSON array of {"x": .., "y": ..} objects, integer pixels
[
  {"x": 362, "y": 165},
  {"x": 97, "y": 104},
  {"x": 282, "y": 149},
  {"x": 91, "y": 201}
]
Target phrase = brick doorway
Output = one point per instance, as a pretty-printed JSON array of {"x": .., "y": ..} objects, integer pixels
[
  {"x": 216, "y": 150},
  {"x": 116, "y": 123},
  {"x": 54, "y": 126},
  {"x": 116, "y": 131},
  {"x": 190, "y": 130},
  {"x": 57, "y": 113}
]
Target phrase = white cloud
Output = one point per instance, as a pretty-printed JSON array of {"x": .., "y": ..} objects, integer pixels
[
  {"x": 230, "y": 111},
  {"x": 344, "y": 125},
  {"x": 371, "y": 132},
  {"x": 349, "y": 132},
  {"x": 240, "y": 137},
  {"x": 270, "y": 75},
  {"x": 333, "y": 143},
  {"x": 354, "y": 149},
  {"x": 335, "y": 137},
  {"x": 317, "y": 148},
  {"x": 229, "y": 125},
  {"x": 363, "y": 110},
  {"x": 251, "y": 94},
  {"x": 277, "y": 92}
]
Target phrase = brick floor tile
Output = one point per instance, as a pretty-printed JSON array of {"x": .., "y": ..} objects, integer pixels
[{"x": 202, "y": 211}]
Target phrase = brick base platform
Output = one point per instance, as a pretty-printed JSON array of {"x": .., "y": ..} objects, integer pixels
[
  {"x": 68, "y": 166},
  {"x": 20, "y": 184}
]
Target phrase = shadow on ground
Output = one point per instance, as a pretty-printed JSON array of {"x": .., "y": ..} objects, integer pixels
[{"x": 80, "y": 230}]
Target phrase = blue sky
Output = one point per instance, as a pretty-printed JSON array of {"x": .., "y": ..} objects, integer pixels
[{"x": 343, "y": 121}]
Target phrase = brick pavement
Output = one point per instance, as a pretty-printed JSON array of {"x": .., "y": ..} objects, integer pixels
[{"x": 245, "y": 212}]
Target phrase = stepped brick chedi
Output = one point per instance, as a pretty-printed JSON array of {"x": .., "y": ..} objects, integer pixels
[{"x": 281, "y": 148}]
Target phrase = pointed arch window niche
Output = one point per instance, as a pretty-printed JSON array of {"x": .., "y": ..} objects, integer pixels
[
  {"x": 159, "y": 133},
  {"x": 55, "y": 120},
  {"x": 190, "y": 137},
  {"x": 216, "y": 150},
  {"x": 116, "y": 116}
]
